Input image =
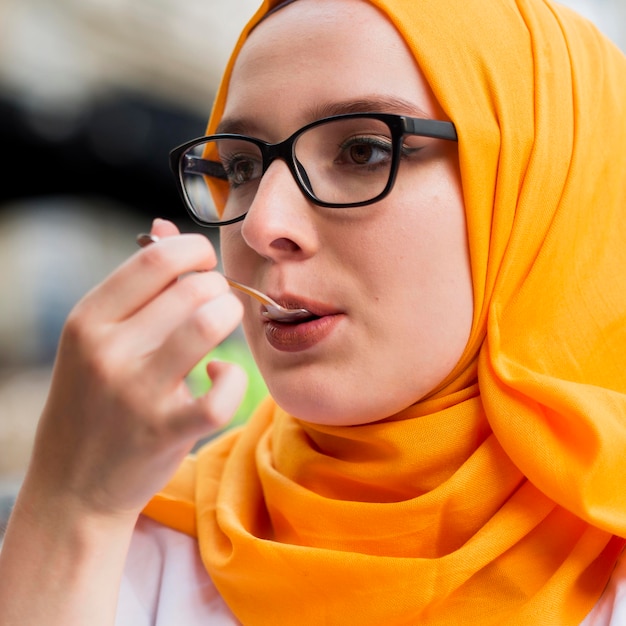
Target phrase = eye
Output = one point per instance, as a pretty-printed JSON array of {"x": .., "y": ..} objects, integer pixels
[
  {"x": 370, "y": 151},
  {"x": 242, "y": 168}
]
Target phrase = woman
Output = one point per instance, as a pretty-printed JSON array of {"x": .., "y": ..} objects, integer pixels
[{"x": 445, "y": 435}]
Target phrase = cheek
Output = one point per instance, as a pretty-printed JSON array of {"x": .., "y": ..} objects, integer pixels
[
  {"x": 434, "y": 213},
  {"x": 435, "y": 262}
]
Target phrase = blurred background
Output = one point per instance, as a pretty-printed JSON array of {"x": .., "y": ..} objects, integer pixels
[{"x": 93, "y": 95}]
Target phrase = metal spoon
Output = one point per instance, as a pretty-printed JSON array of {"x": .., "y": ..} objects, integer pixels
[{"x": 273, "y": 310}]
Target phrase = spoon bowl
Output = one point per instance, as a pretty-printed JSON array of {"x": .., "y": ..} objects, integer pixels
[{"x": 273, "y": 310}]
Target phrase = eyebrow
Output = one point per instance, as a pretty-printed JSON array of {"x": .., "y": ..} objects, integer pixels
[{"x": 373, "y": 104}]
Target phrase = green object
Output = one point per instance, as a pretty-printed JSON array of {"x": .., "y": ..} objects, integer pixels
[{"x": 235, "y": 350}]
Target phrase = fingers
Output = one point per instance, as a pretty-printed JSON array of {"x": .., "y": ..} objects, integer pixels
[
  {"x": 146, "y": 274},
  {"x": 215, "y": 409},
  {"x": 190, "y": 341},
  {"x": 164, "y": 228},
  {"x": 229, "y": 383},
  {"x": 146, "y": 329}
]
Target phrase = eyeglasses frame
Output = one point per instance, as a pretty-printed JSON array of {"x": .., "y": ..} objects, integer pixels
[{"x": 399, "y": 125}]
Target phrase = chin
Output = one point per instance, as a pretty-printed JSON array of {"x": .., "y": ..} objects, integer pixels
[{"x": 318, "y": 408}]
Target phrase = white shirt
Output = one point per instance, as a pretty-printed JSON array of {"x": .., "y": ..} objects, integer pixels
[{"x": 165, "y": 584}]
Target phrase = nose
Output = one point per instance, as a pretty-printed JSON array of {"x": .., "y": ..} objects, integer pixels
[{"x": 280, "y": 223}]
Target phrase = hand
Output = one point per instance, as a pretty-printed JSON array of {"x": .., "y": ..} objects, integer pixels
[{"x": 120, "y": 418}]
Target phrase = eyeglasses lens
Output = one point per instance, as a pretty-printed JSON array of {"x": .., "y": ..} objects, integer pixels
[{"x": 339, "y": 162}]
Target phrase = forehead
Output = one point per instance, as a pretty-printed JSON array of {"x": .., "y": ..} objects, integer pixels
[{"x": 314, "y": 53}]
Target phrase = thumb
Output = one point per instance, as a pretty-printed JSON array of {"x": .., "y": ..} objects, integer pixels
[{"x": 164, "y": 228}]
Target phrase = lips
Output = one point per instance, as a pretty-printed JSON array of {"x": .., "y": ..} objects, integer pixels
[
  {"x": 305, "y": 333},
  {"x": 317, "y": 309}
]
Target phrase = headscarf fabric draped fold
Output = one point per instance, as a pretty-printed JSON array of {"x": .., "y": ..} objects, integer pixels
[{"x": 500, "y": 498}]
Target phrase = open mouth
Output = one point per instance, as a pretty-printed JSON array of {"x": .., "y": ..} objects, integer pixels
[{"x": 302, "y": 318}]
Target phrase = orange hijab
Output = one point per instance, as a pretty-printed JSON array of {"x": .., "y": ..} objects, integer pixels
[{"x": 499, "y": 499}]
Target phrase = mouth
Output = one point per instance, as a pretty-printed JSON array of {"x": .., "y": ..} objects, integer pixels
[
  {"x": 290, "y": 317},
  {"x": 297, "y": 310},
  {"x": 301, "y": 335},
  {"x": 308, "y": 330}
]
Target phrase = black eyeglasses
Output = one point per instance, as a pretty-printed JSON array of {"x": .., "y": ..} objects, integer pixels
[{"x": 338, "y": 162}]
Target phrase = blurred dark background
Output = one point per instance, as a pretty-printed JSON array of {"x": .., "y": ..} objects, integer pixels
[
  {"x": 115, "y": 147},
  {"x": 94, "y": 94}
]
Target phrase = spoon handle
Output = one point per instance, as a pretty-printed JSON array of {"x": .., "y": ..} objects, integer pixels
[{"x": 261, "y": 297}]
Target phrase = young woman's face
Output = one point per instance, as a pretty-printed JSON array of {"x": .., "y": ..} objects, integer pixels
[{"x": 390, "y": 281}]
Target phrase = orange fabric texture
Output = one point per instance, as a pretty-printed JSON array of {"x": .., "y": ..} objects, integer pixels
[{"x": 500, "y": 498}]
